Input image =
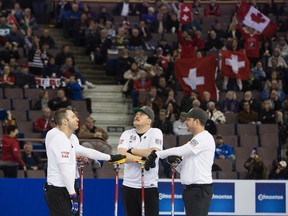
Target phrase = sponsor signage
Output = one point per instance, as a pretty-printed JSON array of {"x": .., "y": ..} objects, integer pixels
[
  {"x": 223, "y": 199},
  {"x": 270, "y": 198}
]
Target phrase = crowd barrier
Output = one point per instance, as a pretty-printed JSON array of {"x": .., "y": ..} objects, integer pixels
[{"x": 230, "y": 197}]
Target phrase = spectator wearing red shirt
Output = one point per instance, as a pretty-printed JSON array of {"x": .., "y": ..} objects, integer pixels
[
  {"x": 6, "y": 79},
  {"x": 251, "y": 44},
  {"x": 143, "y": 84},
  {"x": 11, "y": 152},
  {"x": 43, "y": 123},
  {"x": 213, "y": 9},
  {"x": 187, "y": 45}
]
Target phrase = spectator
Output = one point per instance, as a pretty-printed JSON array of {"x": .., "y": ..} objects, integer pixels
[
  {"x": 125, "y": 61},
  {"x": 267, "y": 114},
  {"x": 230, "y": 103},
  {"x": 215, "y": 115},
  {"x": 149, "y": 18},
  {"x": 65, "y": 52},
  {"x": 70, "y": 18},
  {"x": 45, "y": 38},
  {"x": 130, "y": 76},
  {"x": 251, "y": 44},
  {"x": 173, "y": 111},
  {"x": 25, "y": 79},
  {"x": 187, "y": 44},
  {"x": 59, "y": 101},
  {"x": 51, "y": 70},
  {"x": 224, "y": 151},
  {"x": 279, "y": 171},
  {"x": 143, "y": 84},
  {"x": 153, "y": 100},
  {"x": 124, "y": 9},
  {"x": 76, "y": 92},
  {"x": 270, "y": 8},
  {"x": 68, "y": 69},
  {"x": 254, "y": 104},
  {"x": 79, "y": 29},
  {"x": 163, "y": 123},
  {"x": 7, "y": 80},
  {"x": 247, "y": 115},
  {"x": 213, "y": 9},
  {"x": 120, "y": 41},
  {"x": 28, "y": 21},
  {"x": 281, "y": 61},
  {"x": 37, "y": 55},
  {"x": 43, "y": 100},
  {"x": 179, "y": 126},
  {"x": 10, "y": 51},
  {"x": 283, "y": 47},
  {"x": 91, "y": 35},
  {"x": 275, "y": 86},
  {"x": 205, "y": 100},
  {"x": 259, "y": 75},
  {"x": 213, "y": 42},
  {"x": 15, "y": 36},
  {"x": 98, "y": 134},
  {"x": 256, "y": 169},
  {"x": 187, "y": 100},
  {"x": 32, "y": 160},
  {"x": 43, "y": 123},
  {"x": 11, "y": 152},
  {"x": 136, "y": 40},
  {"x": 103, "y": 43}
]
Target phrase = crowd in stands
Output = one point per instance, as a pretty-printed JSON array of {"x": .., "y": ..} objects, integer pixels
[{"x": 145, "y": 62}]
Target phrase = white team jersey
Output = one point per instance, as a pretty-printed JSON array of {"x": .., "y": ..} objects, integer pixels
[
  {"x": 198, "y": 158},
  {"x": 132, "y": 171},
  {"x": 59, "y": 150},
  {"x": 196, "y": 167}
]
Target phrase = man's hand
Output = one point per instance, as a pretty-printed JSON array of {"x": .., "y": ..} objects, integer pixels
[
  {"x": 118, "y": 158},
  {"x": 150, "y": 161},
  {"x": 174, "y": 160},
  {"x": 74, "y": 203}
]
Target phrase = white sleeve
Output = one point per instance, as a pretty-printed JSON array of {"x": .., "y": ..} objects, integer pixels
[
  {"x": 179, "y": 151},
  {"x": 67, "y": 177},
  {"x": 91, "y": 153}
]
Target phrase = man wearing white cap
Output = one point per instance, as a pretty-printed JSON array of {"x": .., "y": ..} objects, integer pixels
[
  {"x": 279, "y": 171},
  {"x": 195, "y": 168}
]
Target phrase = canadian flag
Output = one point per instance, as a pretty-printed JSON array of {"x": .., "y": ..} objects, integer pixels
[
  {"x": 253, "y": 18},
  {"x": 185, "y": 13},
  {"x": 197, "y": 74},
  {"x": 234, "y": 64}
]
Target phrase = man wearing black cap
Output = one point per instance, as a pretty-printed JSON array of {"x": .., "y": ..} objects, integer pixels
[
  {"x": 137, "y": 144},
  {"x": 195, "y": 168}
]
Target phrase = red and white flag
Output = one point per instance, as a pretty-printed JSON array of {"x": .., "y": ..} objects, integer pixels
[
  {"x": 234, "y": 64},
  {"x": 197, "y": 74},
  {"x": 253, "y": 18},
  {"x": 185, "y": 13}
]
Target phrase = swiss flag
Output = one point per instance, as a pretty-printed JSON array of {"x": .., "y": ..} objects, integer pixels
[
  {"x": 199, "y": 74},
  {"x": 185, "y": 13},
  {"x": 234, "y": 64},
  {"x": 253, "y": 18}
]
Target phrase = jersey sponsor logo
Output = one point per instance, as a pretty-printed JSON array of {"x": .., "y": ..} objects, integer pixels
[
  {"x": 194, "y": 143},
  {"x": 158, "y": 141},
  {"x": 132, "y": 138},
  {"x": 64, "y": 154}
]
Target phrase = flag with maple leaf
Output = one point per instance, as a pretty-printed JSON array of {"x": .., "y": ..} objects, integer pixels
[
  {"x": 197, "y": 74},
  {"x": 234, "y": 64},
  {"x": 185, "y": 13},
  {"x": 253, "y": 18}
]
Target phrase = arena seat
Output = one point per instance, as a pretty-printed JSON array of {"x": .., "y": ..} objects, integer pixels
[
  {"x": 246, "y": 129},
  {"x": 169, "y": 141},
  {"x": 227, "y": 175},
  {"x": 225, "y": 129},
  {"x": 224, "y": 164},
  {"x": 250, "y": 141},
  {"x": 14, "y": 93}
]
